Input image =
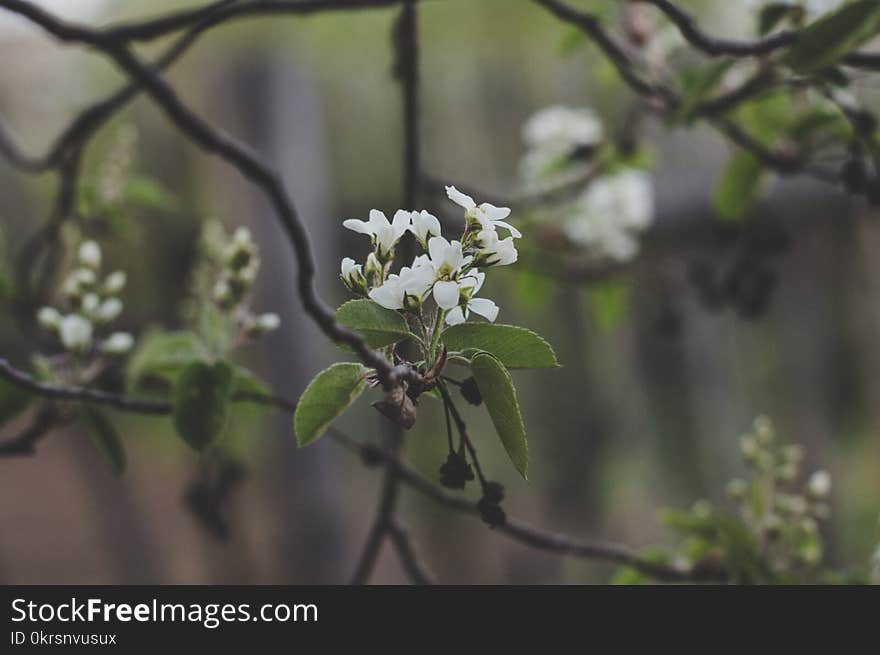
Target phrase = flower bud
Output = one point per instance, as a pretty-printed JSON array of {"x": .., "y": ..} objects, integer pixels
[
  {"x": 373, "y": 267},
  {"x": 117, "y": 343},
  {"x": 352, "y": 276},
  {"x": 749, "y": 447},
  {"x": 737, "y": 489},
  {"x": 819, "y": 485},
  {"x": 49, "y": 318},
  {"x": 263, "y": 324},
  {"x": 89, "y": 254},
  {"x": 115, "y": 282},
  {"x": 109, "y": 310},
  {"x": 764, "y": 430},
  {"x": 90, "y": 303},
  {"x": 75, "y": 332}
]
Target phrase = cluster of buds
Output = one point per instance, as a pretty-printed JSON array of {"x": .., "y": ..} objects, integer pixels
[
  {"x": 782, "y": 512},
  {"x": 239, "y": 261},
  {"x": 448, "y": 271},
  {"x": 90, "y": 303}
]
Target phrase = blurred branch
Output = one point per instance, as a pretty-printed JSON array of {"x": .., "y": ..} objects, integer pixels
[
  {"x": 242, "y": 159},
  {"x": 24, "y": 445},
  {"x": 716, "y": 46},
  {"x": 415, "y": 568}
]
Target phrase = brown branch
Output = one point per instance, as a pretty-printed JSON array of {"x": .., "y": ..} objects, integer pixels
[
  {"x": 242, "y": 159},
  {"x": 415, "y": 568}
]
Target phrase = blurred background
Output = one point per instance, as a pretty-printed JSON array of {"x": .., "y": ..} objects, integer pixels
[{"x": 655, "y": 388}]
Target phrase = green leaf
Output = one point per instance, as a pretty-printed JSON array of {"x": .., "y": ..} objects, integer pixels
[
  {"x": 162, "y": 355},
  {"x": 201, "y": 402},
  {"x": 326, "y": 397},
  {"x": 698, "y": 85},
  {"x": 832, "y": 37},
  {"x": 499, "y": 395},
  {"x": 515, "y": 347},
  {"x": 147, "y": 192},
  {"x": 105, "y": 438},
  {"x": 379, "y": 326},
  {"x": 13, "y": 400},
  {"x": 739, "y": 186},
  {"x": 773, "y": 14}
]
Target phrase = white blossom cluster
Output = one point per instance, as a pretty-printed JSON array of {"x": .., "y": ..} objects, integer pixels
[
  {"x": 608, "y": 216},
  {"x": 448, "y": 271},
  {"x": 554, "y": 136},
  {"x": 93, "y": 303},
  {"x": 240, "y": 262}
]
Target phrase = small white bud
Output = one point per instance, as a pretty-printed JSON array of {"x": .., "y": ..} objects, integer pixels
[
  {"x": 49, "y": 318},
  {"x": 109, "y": 310},
  {"x": 373, "y": 265},
  {"x": 264, "y": 323},
  {"x": 117, "y": 343},
  {"x": 90, "y": 303},
  {"x": 75, "y": 332},
  {"x": 115, "y": 282},
  {"x": 84, "y": 276},
  {"x": 90, "y": 255},
  {"x": 221, "y": 291},
  {"x": 819, "y": 484},
  {"x": 242, "y": 236}
]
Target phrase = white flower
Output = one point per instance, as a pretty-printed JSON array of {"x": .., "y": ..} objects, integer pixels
[
  {"x": 117, "y": 343},
  {"x": 406, "y": 290},
  {"x": 493, "y": 251},
  {"x": 75, "y": 332},
  {"x": 267, "y": 322},
  {"x": 819, "y": 484},
  {"x": 115, "y": 282},
  {"x": 609, "y": 212},
  {"x": 563, "y": 128},
  {"x": 468, "y": 287},
  {"x": 90, "y": 255},
  {"x": 109, "y": 310},
  {"x": 383, "y": 234},
  {"x": 90, "y": 303},
  {"x": 49, "y": 318},
  {"x": 424, "y": 226},
  {"x": 487, "y": 215},
  {"x": 814, "y": 7},
  {"x": 446, "y": 261},
  {"x": 352, "y": 276}
]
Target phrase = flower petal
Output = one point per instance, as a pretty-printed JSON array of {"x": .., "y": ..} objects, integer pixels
[
  {"x": 484, "y": 307},
  {"x": 446, "y": 294},
  {"x": 493, "y": 212},
  {"x": 516, "y": 234},
  {"x": 460, "y": 199},
  {"x": 456, "y": 316},
  {"x": 355, "y": 225}
]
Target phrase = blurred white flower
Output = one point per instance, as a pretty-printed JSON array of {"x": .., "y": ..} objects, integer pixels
[
  {"x": 90, "y": 303},
  {"x": 424, "y": 225},
  {"x": 554, "y": 135},
  {"x": 609, "y": 214},
  {"x": 75, "y": 332},
  {"x": 109, "y": 310},
  {"x": 115, "y": 282},
  {"x": 267, "y": 322},
  {"x": 383, "y": 234},
  {"x": 563, "y": 128},
  {"x": 117, "y": 343},
  {"x": 89, "y": 254},
  {"x": 49, "y": 318},
  {"x": 488, "y": 216},
  {"x": 819, "y": 484},
  {"x": 469, "y": 285}
]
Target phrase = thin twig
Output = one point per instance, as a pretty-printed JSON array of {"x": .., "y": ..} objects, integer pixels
[{"x": 415, "y": 567}]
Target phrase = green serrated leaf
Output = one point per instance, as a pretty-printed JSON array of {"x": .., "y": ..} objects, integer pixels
[
  {"x": 326, "y": 397},
  {"x": 833, "y": 36},
  {"x": 13, "y": 401},
  {"x": 379, "y": 326},
  {"x": 499, "y": 396},
  {"x": 105, "y": 438},
  {"x": 201, "y": 402},
  {"x": 162, "y": 355},
  {"x": 513, "y": 346},
  {"x": 739, "y": 187}
]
